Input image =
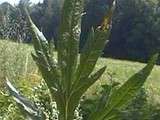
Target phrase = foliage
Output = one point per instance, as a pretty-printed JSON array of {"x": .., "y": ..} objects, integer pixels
[
  {"x": 17, "y": 64},
  {"x": 9, "y": 110},
  {"x": 50, "y": 10},
  {"x": 139, "y": 19},
  {"x": 13, "y": 24},
  {"x": 135, "y": 30},
  {"x": 70, "y": 76},
  {"x": 26, "y": 81},
  {"x": 141, "y": 109},
  {"x": 133, "y": 42},
  {"x": 138, "y": 109}
]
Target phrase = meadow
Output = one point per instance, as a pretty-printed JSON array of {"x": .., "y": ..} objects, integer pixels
[{"x": 16, "y": 63}]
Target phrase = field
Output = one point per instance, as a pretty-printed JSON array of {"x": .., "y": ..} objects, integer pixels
[
  {"x": 17, "y": 64},
  {"x": 123, "y": 70}
]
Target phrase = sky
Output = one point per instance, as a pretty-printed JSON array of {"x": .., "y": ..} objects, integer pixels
[{"x": 16, "y": 1}]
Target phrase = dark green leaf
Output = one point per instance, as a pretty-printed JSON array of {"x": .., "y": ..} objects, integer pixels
[{"x": 122, "y": 96}]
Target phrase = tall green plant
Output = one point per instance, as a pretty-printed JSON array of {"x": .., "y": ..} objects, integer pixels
[{"x": 69, "y": 75}]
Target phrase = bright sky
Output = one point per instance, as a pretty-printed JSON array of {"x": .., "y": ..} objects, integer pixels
[{"x": 16, "y": 1}]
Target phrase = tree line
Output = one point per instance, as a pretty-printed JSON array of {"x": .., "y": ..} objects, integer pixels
[{"x": 135, "y": 25}]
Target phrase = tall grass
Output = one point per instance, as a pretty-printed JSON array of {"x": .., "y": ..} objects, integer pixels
[{"x": 15, "y": 60}]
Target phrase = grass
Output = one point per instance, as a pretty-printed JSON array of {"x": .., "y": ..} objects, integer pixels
[
  {"x": 17, "y": 64},
  {"x": 123, "y": 69}
]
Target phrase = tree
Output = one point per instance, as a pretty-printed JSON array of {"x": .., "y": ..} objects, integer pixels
[
  {"x": 14, "y": 25},
  {"x": 134, "y": 33},
  {"x": 50, "y": 10}
]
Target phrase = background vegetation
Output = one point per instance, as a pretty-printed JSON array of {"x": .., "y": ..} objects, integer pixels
[
  {"x": 145, "y": 104},
  {"x": 134, "y": 36},
  {"x": 135, "y": 29}
]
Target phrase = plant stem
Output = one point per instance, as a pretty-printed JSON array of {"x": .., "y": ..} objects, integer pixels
[{"x": 67, "y": 113}]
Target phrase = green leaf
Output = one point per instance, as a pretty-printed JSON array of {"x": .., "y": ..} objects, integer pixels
[
  {"x": 89, "y": 56},
  {"x": 122, "y": 96},
  {"x": 94, "y": 47},
  {"x": 104, "y": 98},
  {"x": 90, "y": 80},
  {"x": 45, "y": 61},
  {"x": 68, "y": 41},
  {"x": 27, "y": 107},
  {"x": 50, "y": 76},
  {"x": 68, "y": 38},
  {"x": 75, "y": 95}
]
